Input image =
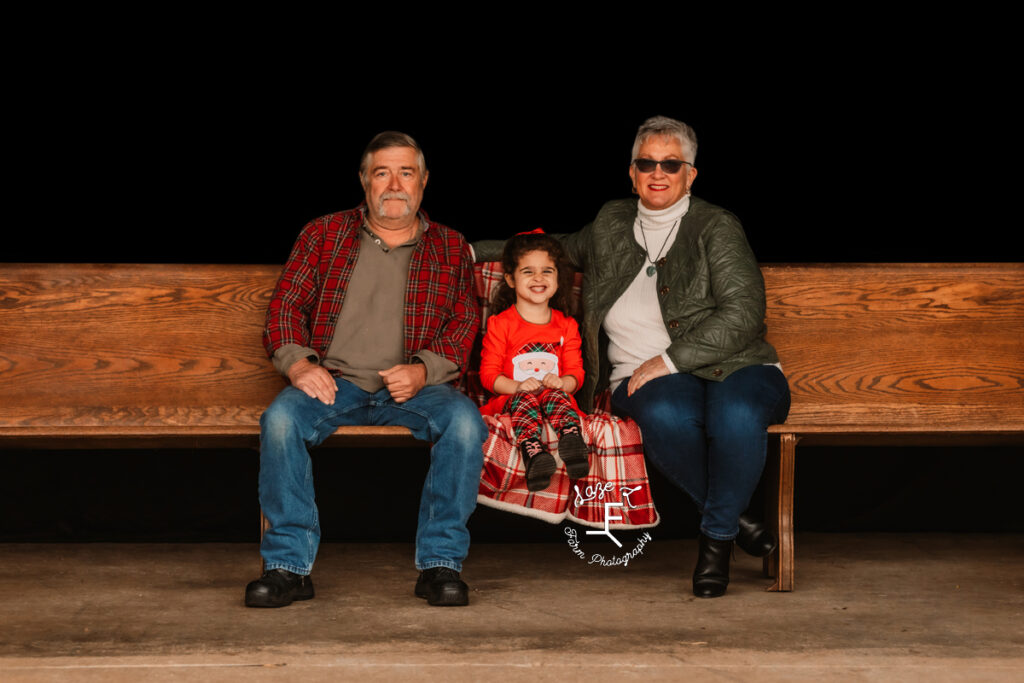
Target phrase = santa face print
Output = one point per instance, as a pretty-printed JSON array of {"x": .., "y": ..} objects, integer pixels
[{"x": 534, "y": 364}]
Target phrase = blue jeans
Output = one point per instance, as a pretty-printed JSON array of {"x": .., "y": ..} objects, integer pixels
[
  {"x": 709, "y": 437},
  {"x": 295, "y": 422}
]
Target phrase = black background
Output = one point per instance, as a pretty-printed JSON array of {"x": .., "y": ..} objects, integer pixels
[{"x": 200, "y": 143}]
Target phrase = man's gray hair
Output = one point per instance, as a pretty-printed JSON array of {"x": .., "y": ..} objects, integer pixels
[
  {"x": 390, "y": 138},
  {"x": 663, "y": 126}
]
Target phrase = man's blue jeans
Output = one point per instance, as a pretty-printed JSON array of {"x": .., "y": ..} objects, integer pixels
[
  {"x": 709, "y": 437},
  {"x": 295, "y": 422}
]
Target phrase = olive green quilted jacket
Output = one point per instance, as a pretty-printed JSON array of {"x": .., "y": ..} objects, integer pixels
[{"x": 709, "y": 286}]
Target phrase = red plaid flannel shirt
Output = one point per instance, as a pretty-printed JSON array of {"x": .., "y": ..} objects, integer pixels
[{"x": 440, "y": 313}]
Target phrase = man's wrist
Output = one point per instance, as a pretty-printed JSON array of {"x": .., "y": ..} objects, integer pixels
[
  {"x": 289, "y": 354},
  {"x": 298, "y": 367},
  {"x": 438, "y": 369},
  {"x": 421, "y": 367}
]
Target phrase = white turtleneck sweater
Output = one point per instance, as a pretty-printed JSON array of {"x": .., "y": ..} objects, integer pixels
[{"x": 635, "y": 327}]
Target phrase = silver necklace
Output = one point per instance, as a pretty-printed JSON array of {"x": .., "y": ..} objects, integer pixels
[{"x": 653, "y": 268}]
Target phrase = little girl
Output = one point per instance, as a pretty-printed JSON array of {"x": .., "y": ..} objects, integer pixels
[{"x": 531, "y": 356}]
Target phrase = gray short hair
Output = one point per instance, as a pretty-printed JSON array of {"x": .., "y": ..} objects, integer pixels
[
  {"x": 663, "y": 126},
  {"x": 390, "y": 138}
]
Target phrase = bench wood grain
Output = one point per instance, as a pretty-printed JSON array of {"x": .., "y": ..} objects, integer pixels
[
  {"x": 892, "y": 354},
  {"x": 106, "y": 356},
  {"x": 126, "y": 355}
]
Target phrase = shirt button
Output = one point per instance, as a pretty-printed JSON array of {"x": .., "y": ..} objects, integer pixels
[
  {"x": 717, "y": 372},
  {"x": 673, "y": 324},
  {"x": 663, "y": 291},
  {"x": 661, "y": 261}
]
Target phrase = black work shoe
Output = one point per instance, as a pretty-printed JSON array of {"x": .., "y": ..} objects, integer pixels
[
  {"x": 754, "y": 538},
  {"x": 442, "y": 587},
  {"x": 711, "y": 576},
  {"x": 278, "y": 588},
  {"x": 573, "y": 451},
  {"x": 540, "y": 464}
]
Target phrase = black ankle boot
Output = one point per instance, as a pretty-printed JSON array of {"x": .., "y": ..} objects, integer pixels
[
  {"x": 711, "y": 576},
  {"x": 754, "y": 538}
]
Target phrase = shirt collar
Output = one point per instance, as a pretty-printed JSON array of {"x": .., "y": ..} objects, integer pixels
[{"x": 424, "y": 224}]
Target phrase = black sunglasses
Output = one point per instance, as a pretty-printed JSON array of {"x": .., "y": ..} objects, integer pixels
[{"x": 669, "y": 166}]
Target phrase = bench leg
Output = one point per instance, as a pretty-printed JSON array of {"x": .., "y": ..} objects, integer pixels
[
  {"x": 264, "y": 525},
  {"x": 780, "y": 564}
]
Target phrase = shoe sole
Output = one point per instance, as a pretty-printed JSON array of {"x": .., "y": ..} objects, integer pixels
[
  {"x": 255, "y": 602},
  {"x": 759, "y": 553},
  {"x": 573, "y": 451},
  {"x": 539, "y": 471},
  {"x": 710, "y": 590},
  {"x": 450, "y": 595}
]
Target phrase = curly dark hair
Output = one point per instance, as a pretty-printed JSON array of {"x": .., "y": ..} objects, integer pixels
[{"x": 517, "y": 247}]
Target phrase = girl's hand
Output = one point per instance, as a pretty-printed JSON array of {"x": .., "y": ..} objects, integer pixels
[
  {"x": 552, "y": 381},
  {"x": 528, "y": 386}
]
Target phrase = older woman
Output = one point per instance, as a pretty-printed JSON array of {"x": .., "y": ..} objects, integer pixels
[{"x": 674, "y": 311}]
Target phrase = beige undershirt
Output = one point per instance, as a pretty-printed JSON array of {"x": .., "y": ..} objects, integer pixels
[
  {"x": 635, "y": 324},
  {"x": 369, "y": 334}
]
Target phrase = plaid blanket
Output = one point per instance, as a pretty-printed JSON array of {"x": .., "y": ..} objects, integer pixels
[{"x": 618, "y": 473}]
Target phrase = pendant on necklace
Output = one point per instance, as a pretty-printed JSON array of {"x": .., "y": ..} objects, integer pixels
[{"x": 651, "y": 270}]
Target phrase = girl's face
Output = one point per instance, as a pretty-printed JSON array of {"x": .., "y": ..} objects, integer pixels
[{"x": 535, "y": 279}]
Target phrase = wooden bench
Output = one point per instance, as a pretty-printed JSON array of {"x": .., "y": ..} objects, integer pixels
[
  {"x": 892, "y": 354},
  {"x": 112, "y": 356},
  {"x": 133, "y": 356}
]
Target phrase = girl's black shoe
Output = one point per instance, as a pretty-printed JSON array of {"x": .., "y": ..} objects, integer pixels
[
  {"x": 540, "y": 464},
  {"x": 573, "y": 452}
]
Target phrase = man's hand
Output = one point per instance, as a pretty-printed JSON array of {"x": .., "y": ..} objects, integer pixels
[
  {"x": 404, "y": 381},
  {"x": 314, "y": 380}
]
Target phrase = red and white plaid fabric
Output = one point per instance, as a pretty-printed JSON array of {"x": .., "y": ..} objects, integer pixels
[{"x": 618, "y": 473}]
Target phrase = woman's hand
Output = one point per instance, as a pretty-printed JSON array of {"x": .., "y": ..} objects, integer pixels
[
  {"x": 528, "y": 386},
  {"x": 650, "y": 369}
]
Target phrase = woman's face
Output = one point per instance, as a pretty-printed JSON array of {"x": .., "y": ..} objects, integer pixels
[{"x": 657, "y": 189}]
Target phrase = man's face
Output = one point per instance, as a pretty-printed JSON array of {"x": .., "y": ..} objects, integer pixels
[{"x": 394, "y": 186}]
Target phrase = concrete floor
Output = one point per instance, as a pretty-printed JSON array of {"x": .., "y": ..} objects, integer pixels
[{"x": 928, "y": 607}]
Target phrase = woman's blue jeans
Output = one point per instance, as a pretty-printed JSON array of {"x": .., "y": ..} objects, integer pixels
[
  {"x": 709, "y": 437},
  {"x": 295, "y": 422}
]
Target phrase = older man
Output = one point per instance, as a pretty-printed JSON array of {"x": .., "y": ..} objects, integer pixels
[{"x": 370, "y": 322}]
